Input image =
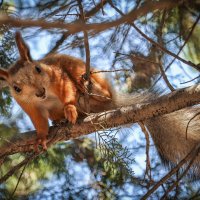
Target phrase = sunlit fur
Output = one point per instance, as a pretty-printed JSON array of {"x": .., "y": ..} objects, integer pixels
[
  {"x": 30, "y": 82},
  {"x": 56, "y": 91}
]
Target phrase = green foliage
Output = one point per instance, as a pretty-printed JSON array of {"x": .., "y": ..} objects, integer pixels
[
  {"x": 109, "y": 168},
  {"x": 108, "y": 160},
  {"x": 6, "y": 59},
  {"x": 5, "y": 103},
  {"x": 6, "y": 133},
  {"x": 192, "y": 50},
  {"x": 42, "y": 168},
  {"x": 117, "y": 160}
]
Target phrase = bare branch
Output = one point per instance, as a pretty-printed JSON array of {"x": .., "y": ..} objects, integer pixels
[
  {"x": 190, "y": 157},
  {"x": 77, "y": 27},
  {"x": 65, "y": 35},
  {"x": 160, "y": 41},
  {"x": 131, "y": 114},
  {"x": 17, "y": 167},
  {"x": 87, "y": 52},
  {"x": 195, "y": 78},
  {"x": 157, "y": 44},
  {"x": 186, "y": 134},
  {"x": 109, "y": 71},
  {"x": 148, "y": 163},
  {"x": 186, "y": 41},
  {"x": 18, "y": 180}
]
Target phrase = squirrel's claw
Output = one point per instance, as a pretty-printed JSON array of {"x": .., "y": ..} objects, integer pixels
[{"x": 40, "y": 141}]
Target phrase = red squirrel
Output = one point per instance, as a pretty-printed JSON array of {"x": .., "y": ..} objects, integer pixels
[
  {"x": 54, "y": 87},
  {"x": 51, "y": 88}
]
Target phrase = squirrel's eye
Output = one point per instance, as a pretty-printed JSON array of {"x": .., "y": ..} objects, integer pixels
[
  {"x": 17, "y": 89},
  {"x": 38, "y": 69}
]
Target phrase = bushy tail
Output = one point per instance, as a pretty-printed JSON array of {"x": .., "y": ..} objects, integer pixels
[
  {"x": 169, "y": 135},
  {"x": 131, "y": 99},
  {"x": 169, "y": 131}
]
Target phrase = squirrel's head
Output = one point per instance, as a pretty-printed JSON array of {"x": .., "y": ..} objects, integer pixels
[{"x": 28, "y": 80}]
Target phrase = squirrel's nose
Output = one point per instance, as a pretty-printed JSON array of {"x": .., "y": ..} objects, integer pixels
[{"x": 40, "y": 93}]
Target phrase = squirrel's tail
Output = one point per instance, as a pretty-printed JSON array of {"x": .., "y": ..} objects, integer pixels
[
  {"x": 172, "y": 140},
  {"x": 120, "y": 99},
  {"x": 169, "y": 131}
]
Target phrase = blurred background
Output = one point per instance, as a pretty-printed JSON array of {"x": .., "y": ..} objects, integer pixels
[{"x": 109, "y": 164}]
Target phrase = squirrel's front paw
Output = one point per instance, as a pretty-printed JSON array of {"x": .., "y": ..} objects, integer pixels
[
  {"x": 71, "y": 113},
  {"x": 40, "y": 141}
]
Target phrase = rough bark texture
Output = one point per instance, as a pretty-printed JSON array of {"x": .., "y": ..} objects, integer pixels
[{"x": 165, "y": 130}]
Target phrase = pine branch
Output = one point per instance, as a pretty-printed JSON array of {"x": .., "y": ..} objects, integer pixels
[{"x": 125, "y": 115}]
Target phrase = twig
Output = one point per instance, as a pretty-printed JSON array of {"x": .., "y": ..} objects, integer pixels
[
  {"x": 155, "y": 43},
  {"x": 160, "y": 41},
  {"x": 148, "y": 163},
  {"x": 189, "y": 124},
  {"x": 87, "y": 52},
  {"x": 109, "y": 71},
  {"x": 192, "y": 154},
  {"x": 186, "y": 40},
  {"x": 191, "y": 80},
  {"x": 165, "y": 78},
  {"x": 181, "y": 176},
  {"x": 17, "y": 167},
  {"x": 65, "y": 35},
  {"x": 18, "y": 181}
]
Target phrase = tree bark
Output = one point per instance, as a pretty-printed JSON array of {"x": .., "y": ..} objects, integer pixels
[
  {"x": 97, "y": 27},
  {"x": 95, "y": 122}
]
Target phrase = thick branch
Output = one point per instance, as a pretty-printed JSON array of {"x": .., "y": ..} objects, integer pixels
[
  {"x": 77, "y": 27},
  {"x": 131, "y": 114}
]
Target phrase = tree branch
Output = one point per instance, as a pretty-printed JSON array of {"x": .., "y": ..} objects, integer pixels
[
  {"x": 157, "y": 44},
  {"x": 87, "y": 53},
  {"x": 189, "y": 157},
  {"x": 131, "y": 114},
  {"x": 17, "y": 167},
  {"x": 186, "y": 41},
  {"x": 78, "y": 26},
  {"x": 65, "y": 35}
]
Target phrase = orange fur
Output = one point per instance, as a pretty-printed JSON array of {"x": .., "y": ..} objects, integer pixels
[{"x": 54, "y": 91}]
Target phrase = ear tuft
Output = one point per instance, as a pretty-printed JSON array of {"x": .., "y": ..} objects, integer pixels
[{"x": 22, "y": 47}]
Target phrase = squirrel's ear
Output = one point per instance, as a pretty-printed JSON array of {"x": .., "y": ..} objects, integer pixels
[
  {"x": 3, "y": 74},
  {"x": 22, "y": 47}
]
